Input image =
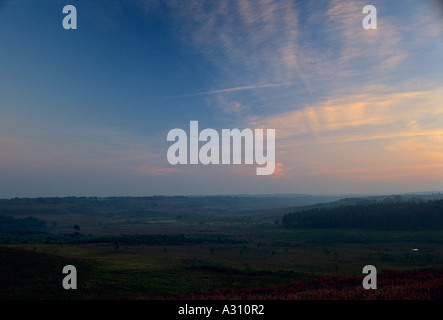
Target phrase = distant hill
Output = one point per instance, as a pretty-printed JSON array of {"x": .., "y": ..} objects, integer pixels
[
  {"x": 94, "y": 213},
  {"x": 363, "y": 200}
]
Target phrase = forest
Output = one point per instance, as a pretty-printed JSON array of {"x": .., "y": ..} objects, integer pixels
[
  {"x": 408, "y": 215},
  {"x": 26, "y": 225}
]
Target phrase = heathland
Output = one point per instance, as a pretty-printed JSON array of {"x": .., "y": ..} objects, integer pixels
[{"x": 221, "y": 247}]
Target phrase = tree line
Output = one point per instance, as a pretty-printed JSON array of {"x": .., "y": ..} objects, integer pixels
[
  {"x": 29, "y": 224},
  {"x": 381, "y": 216}
]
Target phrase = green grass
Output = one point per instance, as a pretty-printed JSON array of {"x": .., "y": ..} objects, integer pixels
[{"x": 27, "y": 274}]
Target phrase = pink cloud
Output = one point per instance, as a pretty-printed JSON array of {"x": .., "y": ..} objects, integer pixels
[{"x": 280, "y": 170}]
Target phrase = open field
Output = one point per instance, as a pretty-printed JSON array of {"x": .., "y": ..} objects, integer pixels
[{"x": 145, "y": 257}]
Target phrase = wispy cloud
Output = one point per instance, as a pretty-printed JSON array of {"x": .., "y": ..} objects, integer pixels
[
  {"x": 363, "y": 136},
  {"x": 332, "y": 117},
  {"x": 263, "y": 44},
  {"x": 236, "y": 89}
]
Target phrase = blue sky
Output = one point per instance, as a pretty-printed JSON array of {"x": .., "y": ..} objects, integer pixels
[{"x": 87, "y": 111}]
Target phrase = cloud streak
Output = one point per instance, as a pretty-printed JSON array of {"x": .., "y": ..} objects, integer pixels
[
  {"x": 236, "y": 89},
  {"x": 363, "y": 137},
  {"x": 263, "y": 44},
  {"x": 333, "y": 117}
]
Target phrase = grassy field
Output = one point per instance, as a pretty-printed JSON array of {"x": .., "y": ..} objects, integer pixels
[
  {"x": 215, "y": 252},
  {"x": 261, "y": 259}
]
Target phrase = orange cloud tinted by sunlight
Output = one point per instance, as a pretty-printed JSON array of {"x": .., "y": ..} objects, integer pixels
[{"x": 280, "y": 170}]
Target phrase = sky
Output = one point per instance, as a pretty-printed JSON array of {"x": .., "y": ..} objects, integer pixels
[{"x": 86, "y": 112}]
